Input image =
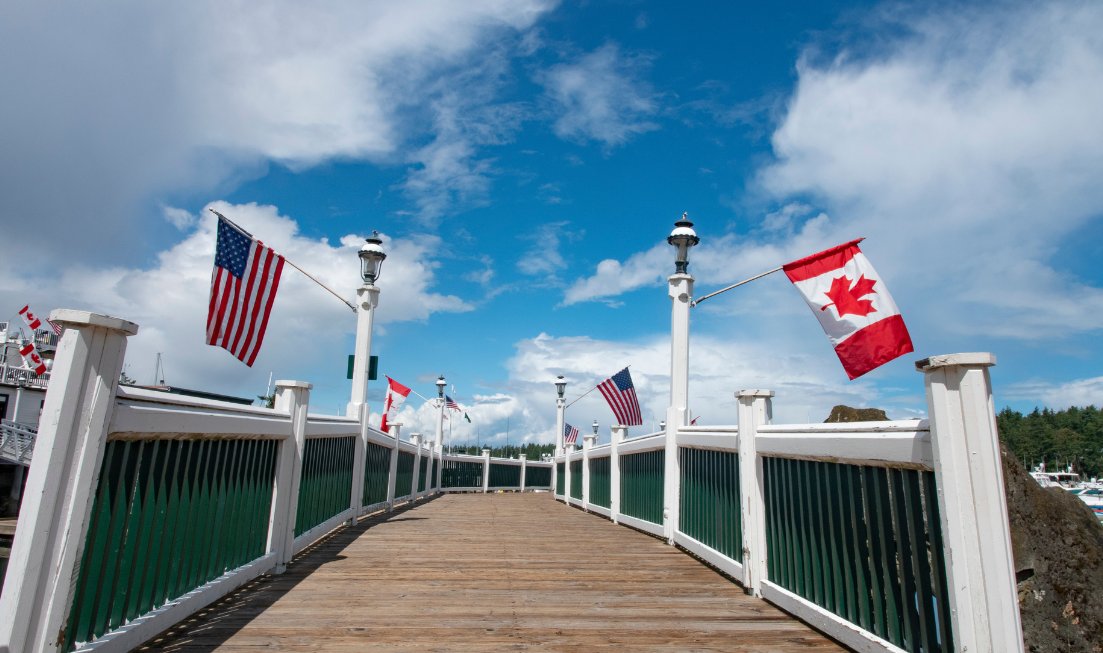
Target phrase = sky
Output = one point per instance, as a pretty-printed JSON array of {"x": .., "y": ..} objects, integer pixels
[{"x": 524, "y": 161}]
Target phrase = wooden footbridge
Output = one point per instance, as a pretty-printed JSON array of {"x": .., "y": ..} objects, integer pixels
[{"x": 159, "y": 521}]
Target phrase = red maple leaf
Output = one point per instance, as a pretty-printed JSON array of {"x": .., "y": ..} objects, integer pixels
[{"x": 847, "y": 299}]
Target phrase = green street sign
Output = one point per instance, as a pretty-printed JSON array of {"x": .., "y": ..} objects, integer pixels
[{"x": 373, "y": 366}]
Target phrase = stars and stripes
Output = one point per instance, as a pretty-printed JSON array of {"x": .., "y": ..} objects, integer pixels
[
  {"x": 570, "y": 434},
  {"x": 621, "y": 395},
  {"x": 450, "y": 404},
  {"x": 243, "y": 287}
]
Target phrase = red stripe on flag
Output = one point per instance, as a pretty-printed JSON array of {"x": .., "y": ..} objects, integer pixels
[
  {"x": 822, "y": 263},
  {"x": 246, "y": 301},
  {"x": 267, "y": 309},
  {"x": 258, "y": 296},
  {"x": 874, "y": 345}
]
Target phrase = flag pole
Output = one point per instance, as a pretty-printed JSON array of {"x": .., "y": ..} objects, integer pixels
[
  {"x": 308, "y": 275},
  {"x": 734, "y": 285}
]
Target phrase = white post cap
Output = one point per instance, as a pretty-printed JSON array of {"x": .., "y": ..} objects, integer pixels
[
  {"x": 974, "y": 359},
  {"x": 69, "y": 317},
  {"x": 755, "y": 393}
]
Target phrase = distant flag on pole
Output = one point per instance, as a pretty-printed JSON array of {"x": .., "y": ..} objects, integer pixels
[
  {"x": 853, "y": 307},
  {"x": 396, "y": 396},
  {"x": 32, "y": 359},
  {"x": 448, "y": 403},
  {"x": 34, "y": 322},
  {"x": 467, "y": 418},
  {"x": 621, "y": 395},
  {"x": 570, "y": 434},
  {"x": 243, "y": 287}
]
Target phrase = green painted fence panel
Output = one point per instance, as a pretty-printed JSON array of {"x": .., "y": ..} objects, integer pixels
[
  {"x": 404, "y": 475},
  {"x": 576, "y": 479},
  {"x": 326, "y": 481},
  {"x": 538, "y": 476},
  {"x": 505, "y": 475},
  {"x": 560, "y": 479},
  {"x": 863, "y": 542},
  {"x": 462, "y": 473},
  {"x": 600, "y": 479},
  {"x": 433, "y": 475},
  {"x": 641, "y": 485},
  {"x": 167, "y": 517},
  {"x": 377, "y": 467},
  {"x": 709, "y": 509},
  {"x": 422, "y": 474}
]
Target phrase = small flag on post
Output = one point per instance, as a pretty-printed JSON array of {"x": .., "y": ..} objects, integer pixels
[
  {"x": 570, "y": 434},
  {"x": 467, "y": 418},
  {"x": 621, "y": 395},
  {"x": 243, "y": 287},
  {"x": 853, "y": 306},
  {"x": 34, "y": 322},
  {"x": 448, "y": 403},
  {"x": 396, "y": 396},
  {"x": 32, "y": 359}
]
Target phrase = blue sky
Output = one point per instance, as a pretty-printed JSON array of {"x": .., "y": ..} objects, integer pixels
[{"x": 525, "y": 161}]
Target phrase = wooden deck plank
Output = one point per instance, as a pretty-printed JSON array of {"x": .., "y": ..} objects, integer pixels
[{"x": 491, "y": 572}]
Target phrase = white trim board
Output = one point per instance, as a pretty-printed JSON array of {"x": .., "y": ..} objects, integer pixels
[
  {"x": 151, "y": 624},
  {"x": 316, "y": 533},
  {"x": 639, "y": 524},
  {"x": 710, "y": 555},
  {"x": 833, "y": 625}
]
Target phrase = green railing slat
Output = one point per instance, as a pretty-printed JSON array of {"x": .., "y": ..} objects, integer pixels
[
  {"x": 709, "y": 500},
  {"x": 167, "y": 516},
  {"x": 641, "y": 485},
  {"x": 600, "y": 479},
  {"x": 862, "y": 542},
  {"x": 538, "y": 476}
]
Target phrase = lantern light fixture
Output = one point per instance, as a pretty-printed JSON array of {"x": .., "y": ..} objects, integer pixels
[
  {"x": 371, "y": 258},
  {"x": 440, "y": 386},
  {"x": 683, "y": 237},
  {"x": 560, "y": 385}
]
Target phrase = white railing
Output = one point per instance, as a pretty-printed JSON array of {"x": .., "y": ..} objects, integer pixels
[
  {"x": 17, "y": 442},
  {"x": 906, "y": 515},
  {"x": 280, "y": 478},
  {"x": 22, "y": 376}
]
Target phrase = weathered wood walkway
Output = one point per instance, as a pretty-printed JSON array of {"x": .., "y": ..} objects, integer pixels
[{"x": 490, "y": 573}]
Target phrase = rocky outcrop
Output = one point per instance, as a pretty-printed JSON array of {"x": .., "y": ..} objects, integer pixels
[
  {"x": 1058, "y": 545},
  {"x": 848, "y": 414}
]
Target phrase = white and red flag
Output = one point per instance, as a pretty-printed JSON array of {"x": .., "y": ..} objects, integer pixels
[
  {"x": 853, "y": 307},
  {"x": 32, "y": 359},
  {"x": 396, "y": 396},
  {"x": 34, "y": 322}
]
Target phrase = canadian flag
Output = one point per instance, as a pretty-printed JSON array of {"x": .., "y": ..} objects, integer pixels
[
  {"x": 853, "y": 307},
  {"x": 32, "y": 359},
  {"x": 31, "y": 318},
  {"x": 396, "y": 396}
]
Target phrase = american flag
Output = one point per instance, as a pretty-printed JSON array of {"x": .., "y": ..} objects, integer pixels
[
  {"x": 243, "y": 287},
  {"x": 449, "y": 403},
  {"x": 570, "y": 434},
  {"x": 621, "y": 395}
]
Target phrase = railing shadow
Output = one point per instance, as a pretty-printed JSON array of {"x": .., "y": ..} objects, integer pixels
[{"x": 212, "y": 626}]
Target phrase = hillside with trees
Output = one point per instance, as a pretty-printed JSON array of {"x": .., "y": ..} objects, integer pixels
[{"x": 1059, "y": 437}]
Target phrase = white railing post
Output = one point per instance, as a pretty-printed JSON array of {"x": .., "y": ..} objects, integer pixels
[
  {"x": 360, "y": 452},
  {"x": 293, "y": 398},
  {"x": 755, "y": 409},
  {"x": 415, "y": 439},
  {"x": 60, "y": 486},
  {"x": 395, "y": 430},
  {"x": 587, "y": 444},
  {"x": 486, "y": 469},
  {"x": 979, "y": 563},
  {"x": 680, "y": 291},
  {"x": 570, "y": 448},
  {"x": 524, "y": 467},
  {"x": 616, "y": 436},
  {"x": 367, "y": 298}
]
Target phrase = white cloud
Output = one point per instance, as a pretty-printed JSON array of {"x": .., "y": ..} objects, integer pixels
[
  {"x": 117, "y": 107},
  {"x": 602, "y": 96},
  {"x": 1081, "y": 392},
  {"x": 966, "y": 153},
  {"x": 169, "y": 301},
  {"x": 544, "y": 257}
]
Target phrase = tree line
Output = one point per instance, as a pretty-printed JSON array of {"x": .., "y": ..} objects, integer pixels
[
  {"x": 531, "y": 451},
  {"x": 1073, "y": 436}
]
